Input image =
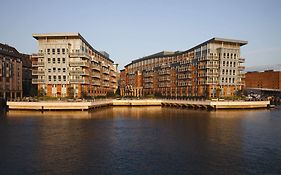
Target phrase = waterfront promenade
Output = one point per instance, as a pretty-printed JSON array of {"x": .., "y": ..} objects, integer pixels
[{"x": 85, "y": 105}]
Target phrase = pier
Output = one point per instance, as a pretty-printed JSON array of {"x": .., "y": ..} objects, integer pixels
[{"x": 84, "y": 105}]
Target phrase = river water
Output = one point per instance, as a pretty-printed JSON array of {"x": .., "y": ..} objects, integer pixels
[{"x": 141, "y": 140}]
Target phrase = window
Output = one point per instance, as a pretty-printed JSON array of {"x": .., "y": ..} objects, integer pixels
[
  {"x": 226, "y": 72},
  {"x": 58, "y": 51},
  {"x": 234, "y": 64},
  {"x": 54, "y": 69},
  {"x": 49, "y": 60},
  {"x": 54, "y": 60},
  {"x": 49, "y": 70},
  {"x": 54, "y": 51},
  {"x": 58, "y": 60},
  {"x": 59, "y": 78},
  {"x": 63, "y": 51},
  {"x": 223, "y": 71},
  {"x": 48, "y": 51},
  {"x": 55, "y": 78},
  {"x": 58, "y": 69},
  {"x": 233, "y": 72},
  {"x": 64, "y": 78},
  {"x": 63, "y": 69},
  {"x": 222, "y": 80},
  {"x": 50, "y": 78},
  {"x": 223, "y": 63},
  {"x": 63, "y": 60}
]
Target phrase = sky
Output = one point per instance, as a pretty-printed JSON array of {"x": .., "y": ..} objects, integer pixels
[{"x": 130, "y": 29}]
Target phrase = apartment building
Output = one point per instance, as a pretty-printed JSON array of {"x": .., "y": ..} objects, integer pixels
[
  {"x": 210, "y": 69},
  {"x": 10, "y": 72},
  {"x": 67, "y": 65}
]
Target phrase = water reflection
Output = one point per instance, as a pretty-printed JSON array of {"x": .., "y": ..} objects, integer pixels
[{"x": 141, "y": 140}]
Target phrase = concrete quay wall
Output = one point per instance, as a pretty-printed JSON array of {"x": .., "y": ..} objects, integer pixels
[{"x": 59, "y": 105}]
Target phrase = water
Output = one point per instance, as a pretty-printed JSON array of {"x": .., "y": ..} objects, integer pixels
[{"x": 150, "y": 140}]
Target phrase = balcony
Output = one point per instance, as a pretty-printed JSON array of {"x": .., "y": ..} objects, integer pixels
[
  {"x": 184, "y": 69},
  {"x": 96, "y": 75},
  {"x": 164, "y": 85},
  {"x": 241, "y": 67},
  {"x": 95, "y": 67},
  {"x": 212, "y": 66},
  {"x": 182, "y": 77},
  {"x": 113, "y": 74},
  {"x": 241, "y": 60},
  {"x": 148, "y": 86},
  {"x": 38, "y": 81},
  {"x": 105, "y": 84},
  {"x": 78, "y": 81},
  {"x": 37, "y": 55},
  {"x": 105, "y": 78},
  {"x": 105, "y": 71},
  {"x": 79, "y": 55},
  {"x": 164, "y": 79},
  {"x": 38, "y": 64},
  {"x": 148, "y": 75},
  {"x": 113, "y": 80},
  {"x": 241, "y": 75},
  {"x": 96, "y": 83},
  {"x": 164, "y": 72},
  {"x": 78, "y": 64},
  {"x": 79, "y": 72},
  {"x": 148, "y": 80},
  {"x": 38, "y": 72}
]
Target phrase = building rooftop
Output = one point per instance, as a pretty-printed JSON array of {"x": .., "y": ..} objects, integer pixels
[{"x": 170, "y": 53}]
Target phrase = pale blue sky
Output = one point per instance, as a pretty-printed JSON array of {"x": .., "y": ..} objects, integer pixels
[{"x": 129, "y": 29}]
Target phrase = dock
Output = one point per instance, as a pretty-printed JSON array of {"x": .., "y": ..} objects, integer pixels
[
  {"x": 84, "y": 105},
  {"x": 58, "y": 105}
]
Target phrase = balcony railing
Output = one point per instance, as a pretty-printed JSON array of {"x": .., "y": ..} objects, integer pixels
[
  {"x": 105, "y": 78},
  {"x": 96, "y": 75},
  {"x": 79, "y": 64},
  {"x": 241, "y": 67},
  {"x": 164, "y": 72},
  {"x": 96, "y": 83},
  {"x": 148, "y": 74},
  {"x": 113, "y": 74},
  {"x": 37, "y": 55},
  {"x": 242, "y": 60},
  {"x": 241, "y": 75},
  {"x": 37, "y": 81},
  {"x": 95, "y": 67},
  {"x": 105, "y": 71},
  {"x": 148, "y": 80},
  {"x": 79, "y": 81},
  {"x": 38, "y": 72},
  {"x": 79, "y": 72},
  {"x": 164, "y": 79},
  {"x": 105, "y": 84},
  {"x": 79, "y": 54},
  {"x": 38, "y": 64}
]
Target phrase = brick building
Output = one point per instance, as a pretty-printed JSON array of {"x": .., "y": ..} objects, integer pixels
[
  {"x": 10, "y": 72},
  {"x": 263, "y": 80},
  {"x": 211, "y": 69}
]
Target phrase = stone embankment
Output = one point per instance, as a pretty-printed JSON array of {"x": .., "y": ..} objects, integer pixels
[{"x": 206, "y": 104}]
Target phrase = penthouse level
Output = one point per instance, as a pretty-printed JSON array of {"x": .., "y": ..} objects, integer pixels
[
  {"x": 67, "y": 65},
  {"x": 210, "y": 69}
]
